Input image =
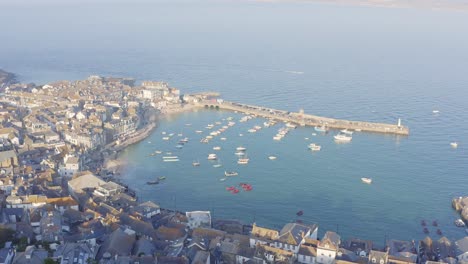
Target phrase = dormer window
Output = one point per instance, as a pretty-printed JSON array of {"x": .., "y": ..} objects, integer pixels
[
  {"x": 374, "y": 260},
  {"x": 382, "y": 261}
]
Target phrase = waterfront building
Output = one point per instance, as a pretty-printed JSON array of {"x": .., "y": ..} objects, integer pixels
[
  {"x": 378, "y": 257},
  {"x": 328, "y": 247},
  {"x": 198, "y": 219}
]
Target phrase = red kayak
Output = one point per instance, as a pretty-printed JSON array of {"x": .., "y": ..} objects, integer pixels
[
  {"x": 235, "y": 191},
  {"x": 230, "y": 188}
]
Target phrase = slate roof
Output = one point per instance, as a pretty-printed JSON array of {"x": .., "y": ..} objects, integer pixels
[{"x": 293, "y": 233}]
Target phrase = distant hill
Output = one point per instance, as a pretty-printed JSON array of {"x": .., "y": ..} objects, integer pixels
[{"x": 6, "y": 78}]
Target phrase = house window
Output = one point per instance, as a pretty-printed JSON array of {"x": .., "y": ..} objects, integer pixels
[
  {"x": 382, "y": 261},
  {"x": 374, "y": 260}
]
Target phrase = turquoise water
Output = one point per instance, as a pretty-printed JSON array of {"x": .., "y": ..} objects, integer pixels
[{"x": 360, "y": 63}]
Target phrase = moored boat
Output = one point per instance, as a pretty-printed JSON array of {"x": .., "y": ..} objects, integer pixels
[
  {"x": 366, "y": 180},
  {"x": 459, "y": 223},
  {"x": 243, "y": 161},
  {"x": 217, "y": 148},
  {"x": 195, "y": 163},
  {"x": 230, "y": 173},
  {"x": 152, "y": 182},
  {"x": 342, "y": 137},
  {"x": 272, "y": 157},
  {"x": 454, "y": 144},
  {"x": 320, "y": 128},
  {"x": 241, "y": 148},
  {"x": 314, "y": 147},
  {"x": 212, "y": 156}
]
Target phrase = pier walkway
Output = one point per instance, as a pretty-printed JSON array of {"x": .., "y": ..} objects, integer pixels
[{"x": 308, "y": 120}]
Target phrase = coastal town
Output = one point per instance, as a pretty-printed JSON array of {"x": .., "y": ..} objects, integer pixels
[{"x": 62, "y": 202}]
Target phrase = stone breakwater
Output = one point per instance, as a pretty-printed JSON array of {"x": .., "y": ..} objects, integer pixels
[{"x": 308, "y": 120}]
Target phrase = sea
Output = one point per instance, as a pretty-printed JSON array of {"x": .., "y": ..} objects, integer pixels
[{"x": 352, "y": 62}]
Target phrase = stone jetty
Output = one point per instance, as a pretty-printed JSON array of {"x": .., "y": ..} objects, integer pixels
[{"x": 302, "y": 119}]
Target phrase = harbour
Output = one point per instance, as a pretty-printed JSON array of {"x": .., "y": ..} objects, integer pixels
[{"x": 361, "y": 191}]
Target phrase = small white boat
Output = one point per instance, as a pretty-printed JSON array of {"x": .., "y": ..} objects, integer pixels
[
  {"x": 158, "y": 152},
  {"x": 171, "y": 134},
  {"x": 321, "y": 129},
  {"x": 179, "y": 135},
  {"x": 277, "y": 138},
  {"x": 217, "y": 165},
  {"x": 290, "y": 125},
  {"x": 251, "y": 130},
  {"x": 241, "y": 148},
  {"x": 240, "y": 135},
  {"x": 165, "y": 138},
  {"x": 314, "y": 134},
  {"x": 170, "y": 157},
  {"x": 217, "y": 148},
  {"x": 306, "y": 138},
  {"x": 243, "y": 161},
  {"x": 435, "y": 111},
  {"x": 170, "y": 160},
  {"x": 198, "y": 131},
  {"x": 459, "y": 223},
  {"x": 209, "y": 137},
  {"x": 314, "y": 147},
  {"x": 149, "y": 142},
  {"x": 366, "y": 180},
  {"x": 222, "y": 179},
  {"x": 239, "y": 153},
  {"x": 347, "y": 132},
  {"x": 212, "y": 157},
  {"x": 195, "y": 163},
  {"x": 454, "y": 144},
  {"x": 230, "y": 173},
  {"x": 163, "y": 133},
  {"x": 223, "y": 139},
  {"x": 343, "y": 137},
  {"x": 272, "y": 157}
]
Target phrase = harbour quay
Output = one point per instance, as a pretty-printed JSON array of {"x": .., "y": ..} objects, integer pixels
[{"x": 303, "y": 119}]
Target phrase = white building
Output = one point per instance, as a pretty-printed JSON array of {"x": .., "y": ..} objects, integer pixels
[
  {"x": 198, "y": 219},
  {"x": 328, "y": 247},
  {"x": 70, "y": 166}
]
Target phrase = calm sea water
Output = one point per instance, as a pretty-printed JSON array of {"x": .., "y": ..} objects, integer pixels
[{"x": 359, "y": 63}]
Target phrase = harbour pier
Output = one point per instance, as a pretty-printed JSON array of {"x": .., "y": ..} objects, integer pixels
[{"x": 302, "y": 119}]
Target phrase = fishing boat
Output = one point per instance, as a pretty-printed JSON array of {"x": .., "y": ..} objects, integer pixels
[
  {"x": 314, "y": 147},
  {"x": 217, "y": 148},
  {"x": 241, "y": 148},
  {"x": 454, "y": 144},
  {"x": 195, "y": 163},
  {"x": 212, "y": 157},
  {"x": 320, "y": 128},
  {"x": 341, "y": 137},
  {"x": 272, "y": 157},
  {"x": 230, "y": 173},
  {"x": 366, "y": 180},
  {"x": 243, "y": 161}
]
